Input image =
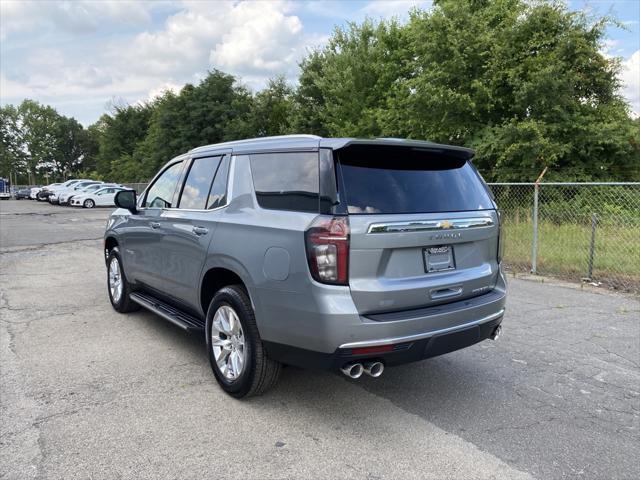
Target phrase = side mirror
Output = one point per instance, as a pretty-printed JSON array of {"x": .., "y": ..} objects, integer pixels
[{"x": 126, "y": 199}]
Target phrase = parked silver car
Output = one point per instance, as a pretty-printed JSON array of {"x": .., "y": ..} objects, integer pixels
[{"x": 342, "y": 254}]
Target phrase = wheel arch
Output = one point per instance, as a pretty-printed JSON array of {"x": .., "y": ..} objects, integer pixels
[
  {"x": 110, "y": 242},
  {"x": 215, "y": 278}
]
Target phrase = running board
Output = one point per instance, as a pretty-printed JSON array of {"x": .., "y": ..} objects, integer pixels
[{"x": 177, "y": 317}]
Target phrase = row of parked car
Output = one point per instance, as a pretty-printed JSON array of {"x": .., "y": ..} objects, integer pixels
[{"x": 76, "y": 193}]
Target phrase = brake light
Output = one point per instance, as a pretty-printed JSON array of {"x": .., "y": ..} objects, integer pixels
[{"x": 327, "y": 243}]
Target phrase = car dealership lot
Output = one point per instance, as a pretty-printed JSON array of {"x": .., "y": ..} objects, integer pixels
[{"x": 89, "y": 393}]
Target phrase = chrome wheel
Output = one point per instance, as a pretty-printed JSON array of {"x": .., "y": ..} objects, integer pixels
[
  {"x": 227, "y": 342},
  {"x": 115, "y": 280}
]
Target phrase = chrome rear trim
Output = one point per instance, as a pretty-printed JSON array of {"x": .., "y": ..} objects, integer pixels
[
  {"x": 420, "y": 336},
  {"x": 430, "y": 225}
]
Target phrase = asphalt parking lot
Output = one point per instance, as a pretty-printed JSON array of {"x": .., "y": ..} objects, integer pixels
[{"x": 88, "y": 393}]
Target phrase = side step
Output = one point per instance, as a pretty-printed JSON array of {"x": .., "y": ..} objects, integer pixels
[{"x": 168, "y": 312}]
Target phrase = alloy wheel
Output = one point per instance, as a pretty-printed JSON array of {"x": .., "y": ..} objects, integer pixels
[
  {"x": 115, "y": 280},
  {"x": 228, "y": 342}
]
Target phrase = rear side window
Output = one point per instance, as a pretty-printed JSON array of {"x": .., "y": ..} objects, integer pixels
[
  {"x": 379, "y": 180},
  {"x": 218, "y": 193},
  {"x": 286, "y": 181},
  {"x": 196, "y": 188}
]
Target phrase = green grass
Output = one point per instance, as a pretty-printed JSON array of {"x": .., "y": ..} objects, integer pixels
[{"x": 563, "y": 250}]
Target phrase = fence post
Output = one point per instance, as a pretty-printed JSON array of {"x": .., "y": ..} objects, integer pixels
[
  {"x": 534, "y": 242},
  {"x": 592, "y": 245}
]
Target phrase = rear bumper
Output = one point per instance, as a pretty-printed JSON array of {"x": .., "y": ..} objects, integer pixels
[
  {"x": 403, "y": 352},
  {"x": 322, "y": 329}
]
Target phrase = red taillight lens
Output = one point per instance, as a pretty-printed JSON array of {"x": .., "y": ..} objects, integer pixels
[
  {"x": 327, "y": 242},
  {"x": 372, "y": 350}
]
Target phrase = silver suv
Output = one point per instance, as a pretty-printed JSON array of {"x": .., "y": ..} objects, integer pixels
[{"x": 341, "y": 254}]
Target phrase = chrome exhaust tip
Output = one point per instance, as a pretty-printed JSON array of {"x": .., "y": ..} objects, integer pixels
[
  {"x": 374, "y": 369},
  {"x": 353, "y": 370},
  {"x": 496, "y": 333}
]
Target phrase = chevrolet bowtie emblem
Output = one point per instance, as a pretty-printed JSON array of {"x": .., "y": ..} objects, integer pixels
[{"x": 446, "y": 224}]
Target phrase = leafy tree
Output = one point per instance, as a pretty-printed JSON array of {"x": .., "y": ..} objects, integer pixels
[
  {"x": 71, "y": 145},
  {"x": 523, "y": 83},
  {"x": 12, "y": 149},
  {"x": 119, "y": 134},
  {"x": 345, "y": 85},
  {"x": 38, "y": 125},
  {"x": 215, "y": 110},
  {"x": 272, "y": 109}
]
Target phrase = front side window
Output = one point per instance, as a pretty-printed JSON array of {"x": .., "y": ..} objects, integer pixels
[
  {"x": 160, "y": 194},
  {"x": 286, "y": 181},
  {"x": 198, "y": 183}
]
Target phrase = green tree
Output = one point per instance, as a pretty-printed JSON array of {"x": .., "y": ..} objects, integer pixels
[
  {"x": 216, "y": 110},
  {"x": 119, "y": 135},
  {"x": 272, "y": 109},
  {"x": 12, "y": 148},
  {"x": 71, "y": 146},
  {"x": 523, "y": 83},
  {"x": 39, "y": 132},
  {"x": 344, "y": 86}
]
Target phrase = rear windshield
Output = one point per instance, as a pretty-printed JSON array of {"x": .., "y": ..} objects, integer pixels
[{"x": 399, "y": 180}]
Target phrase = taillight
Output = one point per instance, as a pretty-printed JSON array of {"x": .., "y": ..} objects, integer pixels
[
  {"x": 500, "y": 237},
  {"x": 327, "y": 242}
]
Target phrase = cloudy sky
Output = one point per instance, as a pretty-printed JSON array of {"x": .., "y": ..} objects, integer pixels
[{"x": 79, "y": 55}]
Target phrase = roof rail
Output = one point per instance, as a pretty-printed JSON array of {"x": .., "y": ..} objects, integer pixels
[{"x": 252, "y": 140}]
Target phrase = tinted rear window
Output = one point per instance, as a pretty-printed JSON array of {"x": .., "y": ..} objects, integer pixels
[{"x": 399, "y": 180}]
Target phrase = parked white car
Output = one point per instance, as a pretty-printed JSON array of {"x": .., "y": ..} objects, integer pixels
[
  {"x": 55, "y": 197},
  {"x": 65, "y": 197},
  {"x": 34, "y": 192},
  {"x": 103, "y": 197}
]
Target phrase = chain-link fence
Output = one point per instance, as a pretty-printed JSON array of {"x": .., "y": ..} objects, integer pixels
[
  {"x": 576, "y": 231},
  {"x": 138, "y": 187}
]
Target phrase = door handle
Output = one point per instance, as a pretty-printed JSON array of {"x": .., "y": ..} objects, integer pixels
[
  {"x": 154, "y": 224},
  {"x": 200, "y": 230}
]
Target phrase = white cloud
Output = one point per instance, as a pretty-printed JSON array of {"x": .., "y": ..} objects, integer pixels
[
  {"x": 56, "y": 52},
  {"x": 394, "y": 8},
  {"x": 260, "y": 40},
  {"x": 161, "y": 89},
  {"x": 80, "y": 16},
  {"x": 630, "y": 77},
  {"x": 252, "y": 40}
]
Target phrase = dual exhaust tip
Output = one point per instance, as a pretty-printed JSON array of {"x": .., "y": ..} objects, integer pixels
[
  {"x": 375, "y": 369},
  {"x": 355, "y": 370}
]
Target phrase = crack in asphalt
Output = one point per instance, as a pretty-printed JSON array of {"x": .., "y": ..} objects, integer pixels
[{"x": 40, "y": 246}]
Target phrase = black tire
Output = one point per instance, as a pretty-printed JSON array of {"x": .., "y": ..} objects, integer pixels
[
  {"x": 124, "y": 304},
  {"x": 88, "y": 203},
  {"x": 260, "y": 373}
]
